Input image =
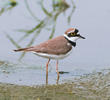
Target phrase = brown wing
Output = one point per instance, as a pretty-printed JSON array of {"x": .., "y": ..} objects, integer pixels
[{"x": 57, "y": 46}]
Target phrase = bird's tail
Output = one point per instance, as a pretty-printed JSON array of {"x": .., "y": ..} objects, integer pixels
[{"x": 24, "y": 49}]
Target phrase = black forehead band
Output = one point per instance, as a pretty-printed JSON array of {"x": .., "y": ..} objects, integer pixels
[{"x": 76, "y": 31}]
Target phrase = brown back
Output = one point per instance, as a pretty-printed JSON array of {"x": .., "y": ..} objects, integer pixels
[{"x": 57, "y": 46}]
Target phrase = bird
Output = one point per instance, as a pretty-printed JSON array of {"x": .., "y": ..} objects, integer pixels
[{"x": 56, "y": 48}]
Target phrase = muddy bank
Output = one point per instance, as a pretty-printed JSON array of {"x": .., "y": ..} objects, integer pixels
[{"x": 95, "y": 86}]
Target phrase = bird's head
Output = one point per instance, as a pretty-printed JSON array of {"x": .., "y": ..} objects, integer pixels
[{"x": 72, "y": 35}]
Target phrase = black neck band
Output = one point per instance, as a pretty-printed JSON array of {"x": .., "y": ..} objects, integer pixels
[{"x": 72, "y": 43}]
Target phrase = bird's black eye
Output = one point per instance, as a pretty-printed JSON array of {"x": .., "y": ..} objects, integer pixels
[{"x": 72, "y": 34}]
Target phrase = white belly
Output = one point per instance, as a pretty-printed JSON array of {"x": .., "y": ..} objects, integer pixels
[{"x": 51, "y": 56}]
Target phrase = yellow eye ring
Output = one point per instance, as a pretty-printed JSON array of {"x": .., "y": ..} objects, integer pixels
[{"x": 73, "y": 34}]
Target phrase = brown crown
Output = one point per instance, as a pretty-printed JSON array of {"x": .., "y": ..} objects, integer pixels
[{"x": 69, "y": 30}]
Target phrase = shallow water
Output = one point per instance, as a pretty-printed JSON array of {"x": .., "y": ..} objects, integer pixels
[
  {"x": 24, "y": 74},
  {"x": 30, "y": 75}
]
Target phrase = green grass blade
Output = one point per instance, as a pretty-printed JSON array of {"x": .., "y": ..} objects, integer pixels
[
  {"x": 12, "y": 41},
  {"x": 29, "y": 10},
  {"x": 44, "y": 10},
  {"x": 53, "y": 31},
  {"x": 30, "y": 43},
  {"x": 73, "y": 9}
]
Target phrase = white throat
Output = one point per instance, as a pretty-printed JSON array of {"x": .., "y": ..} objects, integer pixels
[{"x": 73, "y": 39}]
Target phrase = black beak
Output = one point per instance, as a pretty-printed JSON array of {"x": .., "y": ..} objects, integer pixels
[{"x": 81, "y": 36}]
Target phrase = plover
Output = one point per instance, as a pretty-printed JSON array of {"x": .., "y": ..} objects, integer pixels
[{"x": 56, "y": 48}]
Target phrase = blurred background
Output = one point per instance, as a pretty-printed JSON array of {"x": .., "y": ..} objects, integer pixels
[{"x": 30, "y": 22}]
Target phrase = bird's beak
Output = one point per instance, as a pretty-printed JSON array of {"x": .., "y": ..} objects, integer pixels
[{"x": 81, "y": 36}]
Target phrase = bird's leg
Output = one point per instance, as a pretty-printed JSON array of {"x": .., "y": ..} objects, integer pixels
[
  {"x": 57, "y": 71},
  {"x": 47, "y": 71}
]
